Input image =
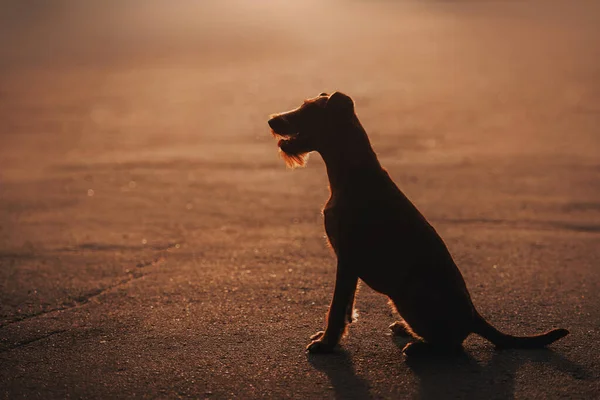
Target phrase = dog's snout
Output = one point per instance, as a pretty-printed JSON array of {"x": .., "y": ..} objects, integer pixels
[
  {"x": 280, "y": 125},
  {"x": 273, "y": 123}
]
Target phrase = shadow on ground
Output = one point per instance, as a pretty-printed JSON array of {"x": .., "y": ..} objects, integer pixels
[
  {"x": 340, "y": 370},
  {"x": 459, "y": 376}
]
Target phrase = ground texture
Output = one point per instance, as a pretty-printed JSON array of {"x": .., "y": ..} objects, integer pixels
[{"x": 152, "y": 244}]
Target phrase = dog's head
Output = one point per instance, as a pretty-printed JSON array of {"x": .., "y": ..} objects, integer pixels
[{"x": 308, "y": 127}]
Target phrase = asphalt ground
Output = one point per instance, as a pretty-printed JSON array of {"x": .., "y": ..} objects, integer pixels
[{"x": 153, "y": 245}]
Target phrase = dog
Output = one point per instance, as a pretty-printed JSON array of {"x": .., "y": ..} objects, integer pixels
[{"x": 380, "y": 237}]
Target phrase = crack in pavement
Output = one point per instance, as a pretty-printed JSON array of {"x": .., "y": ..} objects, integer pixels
[
  {"x": 86, "y": 298},
  {"x": 31, "y": 340}
]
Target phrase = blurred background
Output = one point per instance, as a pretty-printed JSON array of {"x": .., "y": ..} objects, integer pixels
[{"x": 141, "y": 190}]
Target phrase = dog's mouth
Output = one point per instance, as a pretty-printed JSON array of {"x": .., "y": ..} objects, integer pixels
[
  {"x": 285, "y": 142},
  {"x": 292, "y": 146},
  {"x": 283, "y": 130}
]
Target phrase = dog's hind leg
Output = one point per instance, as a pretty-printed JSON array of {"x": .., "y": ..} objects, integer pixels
[
  {"x": 343, "y": 297},
  {"x": 401, "y": 328},
  {"x": 437, "y": 336},
  {"x": 420, "y": 348}
]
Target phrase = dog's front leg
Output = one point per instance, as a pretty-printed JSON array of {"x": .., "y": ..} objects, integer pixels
[{"x": 343, "y": 297}]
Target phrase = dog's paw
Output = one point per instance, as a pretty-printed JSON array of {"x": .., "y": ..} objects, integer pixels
[
  {"x": 319, "y": 347},
  {"x": 398, "y": 328},
  {"x": 417, "y": 349}
]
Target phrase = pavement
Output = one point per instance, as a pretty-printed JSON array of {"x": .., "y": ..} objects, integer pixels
[{"x": 153, "y": 245}]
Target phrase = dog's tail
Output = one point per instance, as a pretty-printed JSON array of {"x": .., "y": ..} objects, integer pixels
[{"x": 505, "y": 341}]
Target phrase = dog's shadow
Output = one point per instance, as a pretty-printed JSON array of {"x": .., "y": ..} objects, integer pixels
[
  {"x": 339, "y": 369},
  {"x": 462, "y": 376},
  {"x": 441, "y": 377}
]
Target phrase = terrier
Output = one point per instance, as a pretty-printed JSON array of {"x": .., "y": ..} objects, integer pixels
[{"x": 380, "y": 237}]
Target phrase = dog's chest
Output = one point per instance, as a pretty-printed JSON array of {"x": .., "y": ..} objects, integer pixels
[
  {"x": 341, "y": 223},
  {"x": 331, "y": 215}
]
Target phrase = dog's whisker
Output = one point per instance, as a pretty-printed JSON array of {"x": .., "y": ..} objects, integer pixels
[
  {"x": 276, "y": 135},
  {"x": 294, "y": 160}
]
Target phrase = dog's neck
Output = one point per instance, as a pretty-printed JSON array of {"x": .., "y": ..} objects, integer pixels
[{"x": 354, "y": 157}]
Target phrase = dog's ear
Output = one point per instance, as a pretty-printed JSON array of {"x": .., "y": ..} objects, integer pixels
[
  {"x": 323, "y": 94},
  {"x": 340, "y": 103}
]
